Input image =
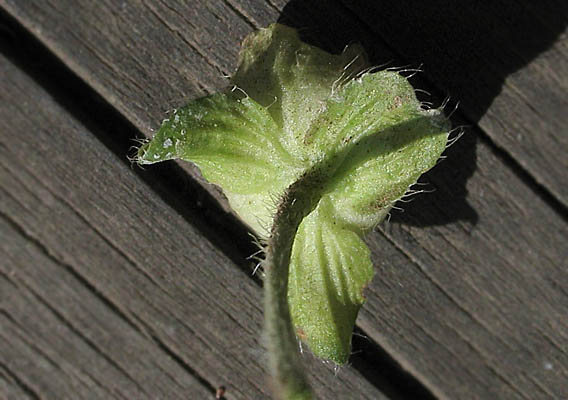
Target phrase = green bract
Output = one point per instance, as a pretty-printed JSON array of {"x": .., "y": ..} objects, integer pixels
[{"x": 293, "y": 105}]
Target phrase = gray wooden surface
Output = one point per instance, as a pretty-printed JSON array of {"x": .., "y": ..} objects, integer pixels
[{"x": 118, "y": 284}]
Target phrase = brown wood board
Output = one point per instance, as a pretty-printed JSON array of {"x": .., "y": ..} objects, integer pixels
[{"x": 62, "y": 341}]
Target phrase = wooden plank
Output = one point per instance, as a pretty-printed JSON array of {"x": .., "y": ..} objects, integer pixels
[
  {"x": 131, "y": 300},
  {"x": 469, "y": 208},
  {"x": 63, "y": 341},
  {"x": 178, "y": 50}
]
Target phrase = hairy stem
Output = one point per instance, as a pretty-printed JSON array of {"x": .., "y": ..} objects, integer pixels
[{"x": 297, "y": 202}]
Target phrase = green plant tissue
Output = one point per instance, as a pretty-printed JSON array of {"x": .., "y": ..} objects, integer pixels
[{"x": 290, "y": 106}]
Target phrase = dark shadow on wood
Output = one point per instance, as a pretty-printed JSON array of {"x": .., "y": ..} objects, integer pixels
[
  {"x": 466, "y": 48},
  {"x": 445, "y": 199},
  {"x": 385, "y": 372}
]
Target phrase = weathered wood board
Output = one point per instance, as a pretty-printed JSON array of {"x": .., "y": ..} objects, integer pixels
[{"x": 470, "y": 295}]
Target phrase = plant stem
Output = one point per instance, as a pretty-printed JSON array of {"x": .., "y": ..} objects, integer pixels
[{"x": 297, "y": 202}]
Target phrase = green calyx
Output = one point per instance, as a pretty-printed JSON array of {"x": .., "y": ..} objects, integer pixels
[{"x": 293, "y": 108}]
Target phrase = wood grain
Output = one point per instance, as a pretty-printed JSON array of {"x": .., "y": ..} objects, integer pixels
[
  {"x": 470, "y": 295},
  {"x": 12, "y": 388},
  {"x": 106, "y": 291},
  {"x": 64, "y": 342}
]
